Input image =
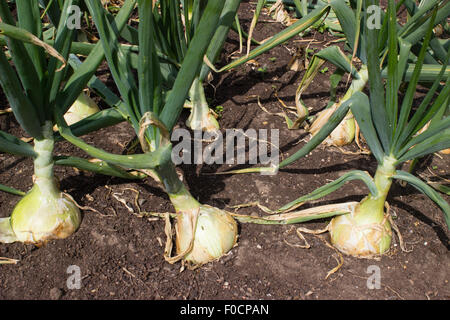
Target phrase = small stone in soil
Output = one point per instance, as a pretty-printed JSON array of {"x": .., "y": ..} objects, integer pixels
[{"x": 55, "y": 294}]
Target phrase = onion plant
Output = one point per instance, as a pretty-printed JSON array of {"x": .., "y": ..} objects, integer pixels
[
  {"x": 392, "y": 128},
  {"x": 175, "y": 25},
  {"x": 204, "y": 233},
  {"x": 37, "y": 88},
  {"x": 201, "y": 117},
  {"x": 349, "y": 18}
]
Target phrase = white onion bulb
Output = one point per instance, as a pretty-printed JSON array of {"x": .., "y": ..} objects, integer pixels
[
  {"x": 215, "y": 235},
  {"x": 362, "y": 233},
  {"x": 39, "y": 217}
]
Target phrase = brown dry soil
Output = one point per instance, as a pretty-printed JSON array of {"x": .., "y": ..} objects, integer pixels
[{"x": 120, "y": 255}]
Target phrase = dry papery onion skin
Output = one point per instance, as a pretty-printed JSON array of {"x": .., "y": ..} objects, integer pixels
[
  {"x": 361, "y": 233},
  {"x": 215, "y": 235}
]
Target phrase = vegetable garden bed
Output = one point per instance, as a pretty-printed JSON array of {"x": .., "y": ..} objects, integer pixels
[{"x": 119, "y": 251}]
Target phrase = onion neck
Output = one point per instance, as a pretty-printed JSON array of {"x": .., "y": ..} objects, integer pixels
[
  {"x": 357, "y": 84},
  {"x": 383, "y": 182},
  {"x": 200, "y": 117},
  {"x": 180, "y": 197},
  {"x": 43, "y": 163}
]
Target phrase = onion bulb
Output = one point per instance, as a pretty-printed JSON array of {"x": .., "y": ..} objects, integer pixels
[
  {"x": 82, "y": 108},
  {"x": 280, "y": 14},
  {"x": 342, "y": 135},
  {"x": 364, "y": 232},
  {"x": 206, "y": 123},
  {"x": 344, "y": 132},
  {"x": 43, "y": 214},
  {"x": 215, "y": 235}
]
